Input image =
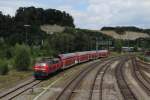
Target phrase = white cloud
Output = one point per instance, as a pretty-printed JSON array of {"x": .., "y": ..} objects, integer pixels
[
  {"x": 120, "y": 12},
  {"x": 10, "y": 6},
  {"x": 111, "y": 12},
  {"x": 78, "y": 15},
  {"x": 97, "y": 13}
]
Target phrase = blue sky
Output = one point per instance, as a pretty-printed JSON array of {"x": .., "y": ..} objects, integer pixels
[{"x": 92, "y": 14}]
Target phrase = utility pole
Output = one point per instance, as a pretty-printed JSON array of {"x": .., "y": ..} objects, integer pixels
[
  {"x": 128, "y": 42},
  {"x": 137, "y": 44},
  {"x": 108, "y": 44},
  {"x": 96, "y": 44},
  {"x": 26, "y": 33}
]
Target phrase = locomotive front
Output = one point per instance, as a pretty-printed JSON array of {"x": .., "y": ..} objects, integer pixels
[{"x": 40, "y": 69}]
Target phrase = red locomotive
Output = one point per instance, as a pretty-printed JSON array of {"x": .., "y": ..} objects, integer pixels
[{"x": 46, "y": 66}]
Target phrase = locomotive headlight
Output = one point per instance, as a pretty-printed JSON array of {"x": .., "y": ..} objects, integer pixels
[
  {"x": 43, "y": 69},
  {"x": 43, "y": 64}
]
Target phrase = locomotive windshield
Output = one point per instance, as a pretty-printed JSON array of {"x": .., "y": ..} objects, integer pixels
[
  {"x": 49, "y": 61},
  {"x": 41, "y": 64}
]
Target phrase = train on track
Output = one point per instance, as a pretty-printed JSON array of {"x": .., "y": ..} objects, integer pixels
[{"x": 46, "y": 66}]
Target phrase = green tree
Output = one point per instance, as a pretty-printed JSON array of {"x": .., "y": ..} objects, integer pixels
[
  {"x": 3, "y": 67},
  {"x": 135, "y": 48},
  {"x": 22, "y": 58},
  {"x": 49, "y": 51},
  {"x": 118, "y": 45}
]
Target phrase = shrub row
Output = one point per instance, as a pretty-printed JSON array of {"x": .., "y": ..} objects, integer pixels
[
  {"x": 21, "y": 60},
  {"x": 3, "y": 67}
]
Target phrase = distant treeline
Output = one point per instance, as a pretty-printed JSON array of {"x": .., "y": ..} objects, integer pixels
[
  {"x": 24, "y": 27},
  {"x": 39, "y": 16},
  {"x": 72, "y": 40},
  {"x": 120, "y": 29}
]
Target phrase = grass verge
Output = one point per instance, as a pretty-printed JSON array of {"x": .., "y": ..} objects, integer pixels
[{"x": 13, "y": 77}]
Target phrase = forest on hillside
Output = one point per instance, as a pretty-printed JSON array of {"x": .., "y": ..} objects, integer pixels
[
  {"x": 140, "y": 42},
  {"x": 28, "y": 20},
  {"x": 122, "y": 29}
]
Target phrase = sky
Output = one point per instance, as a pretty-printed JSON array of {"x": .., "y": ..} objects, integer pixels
[{"x": 91, "y": 14}]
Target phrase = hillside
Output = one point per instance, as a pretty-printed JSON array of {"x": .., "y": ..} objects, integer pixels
[
  {"x": 49, "y": 29},
  {"x": 128, "y": 35},
  {"x": 125, "y": 36}
]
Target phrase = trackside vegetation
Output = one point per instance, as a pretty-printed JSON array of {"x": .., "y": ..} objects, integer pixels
[
  {"x": 22, "y": 59},
  {"x": 3, "y": 67}
]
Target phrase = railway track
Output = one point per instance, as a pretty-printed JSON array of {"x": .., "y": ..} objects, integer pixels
[
  {"x": 141, "y": 78},
  {"x": 66, "y": 93},
  {"x": 10, "y": 94},
  {"x": 144, "y": 63},
  {"x": 102, "y": 71},
  {"x": 122, "y": 83}
]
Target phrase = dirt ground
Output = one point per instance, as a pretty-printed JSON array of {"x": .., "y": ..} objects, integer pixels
[
  {"x": 136, "y": 88},
  {"x": 14, "y": 77},
  {"x": 128, "y": 35}
]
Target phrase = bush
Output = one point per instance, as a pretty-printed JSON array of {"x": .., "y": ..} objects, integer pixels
[
  {"x": 3, "y": 67},
  {"x": 142, "y": 57},
  {"x": 118, "y": 46},
  {"x": 22, "y": 58}
]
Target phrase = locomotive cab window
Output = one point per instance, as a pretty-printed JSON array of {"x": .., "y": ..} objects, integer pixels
[
  {"x": 55, "y": 61},
  {"x": 44, "y": 61},
  {"x": 41, "y": 64}
]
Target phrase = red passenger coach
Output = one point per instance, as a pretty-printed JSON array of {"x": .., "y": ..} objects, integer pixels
[
  {"x": 68, "y": 60},
  {"x": 83, "y": 56},
  {"x": 103, "y": 53},
  {"x": 92, "y": 55}
]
